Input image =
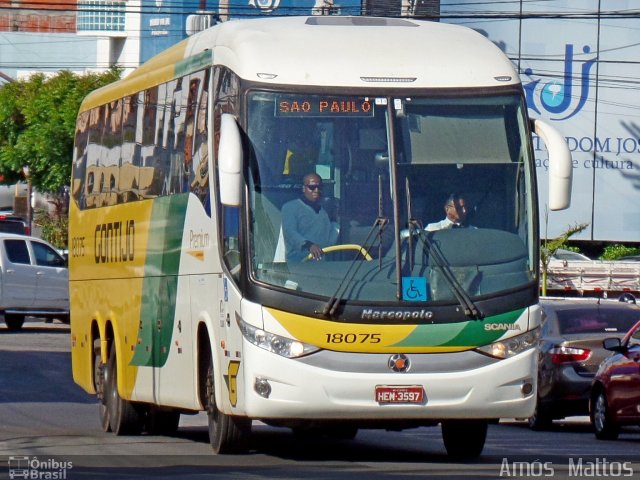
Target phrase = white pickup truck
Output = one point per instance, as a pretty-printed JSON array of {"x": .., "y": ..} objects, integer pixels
[
  {"x": 34, "y": 280},
  {"x": 572, "y": 274}
]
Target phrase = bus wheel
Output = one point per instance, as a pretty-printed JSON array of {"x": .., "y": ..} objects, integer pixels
[
  {"x": 124, "y": 418},
  {"x": 14, "y": 321},
  {"x": 227, "y": 433},
  {"x": 99, "y": 377},
  {"x": 162, "y": 422},
  {"x": 464, "y": 439}
]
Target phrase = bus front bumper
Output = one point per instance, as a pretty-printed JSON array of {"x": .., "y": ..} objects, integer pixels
[{"x": 276, "y": 387}]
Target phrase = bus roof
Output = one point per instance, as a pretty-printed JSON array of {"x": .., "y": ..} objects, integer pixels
[{"x": 330, "y": 51}]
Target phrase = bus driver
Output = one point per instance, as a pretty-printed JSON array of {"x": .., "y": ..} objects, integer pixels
[
  {"x": 305, "y": 224},
  {"x": 455, "y": 209}
]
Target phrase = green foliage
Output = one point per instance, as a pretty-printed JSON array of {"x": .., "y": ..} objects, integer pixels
[
  {"x": 37, "y": 125},
  {"x": 549, "y": 247},
  {"x": 615, "y": 251},
  {"x": 54, "y": 226}
]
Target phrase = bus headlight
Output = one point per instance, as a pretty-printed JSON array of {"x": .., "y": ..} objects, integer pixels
[
  {"x": 510, "y": 347},
  {"x": 271, "y": 342}
]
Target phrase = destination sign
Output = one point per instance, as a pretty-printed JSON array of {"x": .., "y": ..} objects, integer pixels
[{"x": 320, "y": 106}]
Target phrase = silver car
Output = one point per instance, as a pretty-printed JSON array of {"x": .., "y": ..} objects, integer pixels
[
  {"x": 34, "y": 280},
  {"x": 571, "y": 351}
]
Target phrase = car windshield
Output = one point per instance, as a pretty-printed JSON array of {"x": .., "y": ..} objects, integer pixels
[
  {"x": 389, "y": 167},
  {"x": 597, "y": 320}
]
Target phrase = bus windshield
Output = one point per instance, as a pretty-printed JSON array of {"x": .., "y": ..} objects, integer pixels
[{"x": 391, "y": 169}]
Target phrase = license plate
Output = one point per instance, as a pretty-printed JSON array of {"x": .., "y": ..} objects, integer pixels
[{"x": 399, "y": 394}]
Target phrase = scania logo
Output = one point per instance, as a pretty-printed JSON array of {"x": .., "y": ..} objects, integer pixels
[
  {"x": 399, "y": 363},
  {"x": 501, "y": 326}
]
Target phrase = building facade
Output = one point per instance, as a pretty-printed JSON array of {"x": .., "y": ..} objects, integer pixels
[
  {"x": 40, "y": 36},
  {"x": 580, "y": 66}
]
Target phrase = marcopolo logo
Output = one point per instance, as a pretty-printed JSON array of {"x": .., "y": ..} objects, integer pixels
[
  {"x": 564, "y": 97},
  {"x": 370, "y": 314},
  {"x": 33, "y": 468}
]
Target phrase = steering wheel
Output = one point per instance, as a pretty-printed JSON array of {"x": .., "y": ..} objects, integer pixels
[{"x": 345, "y": 246}]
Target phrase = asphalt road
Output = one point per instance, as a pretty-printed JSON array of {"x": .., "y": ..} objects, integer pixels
[{"x": 50, "y": 425}]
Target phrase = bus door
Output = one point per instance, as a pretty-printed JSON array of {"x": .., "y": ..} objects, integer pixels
[{"x": 229, "y": 343}]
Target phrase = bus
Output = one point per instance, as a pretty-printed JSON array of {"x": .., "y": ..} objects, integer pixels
[{"x": 182, "y": 299}]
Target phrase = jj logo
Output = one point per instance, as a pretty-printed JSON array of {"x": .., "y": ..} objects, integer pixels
[{"x": 558, "y": 97}]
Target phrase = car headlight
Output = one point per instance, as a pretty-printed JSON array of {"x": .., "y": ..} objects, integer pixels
[
  {"x": 271, "y": 342},
  {"x": 512, "y": 346}
]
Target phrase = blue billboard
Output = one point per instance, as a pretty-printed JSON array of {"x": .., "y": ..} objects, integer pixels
[{"x": 164, "y": 23}]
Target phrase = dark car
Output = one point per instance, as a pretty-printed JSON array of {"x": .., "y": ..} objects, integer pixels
[
  {"x": 571, "y": 351},
  {"x": 13, "y": 224},
  {"x": 615, "y": 395}
]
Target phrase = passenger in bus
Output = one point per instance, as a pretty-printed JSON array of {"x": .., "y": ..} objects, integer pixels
[
  {"x": 455, "y": 209},
  {"x": 305, "y": 223}
]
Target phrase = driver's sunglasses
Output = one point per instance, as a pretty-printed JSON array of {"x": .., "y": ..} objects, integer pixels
[{"x": 313, "y": 188}]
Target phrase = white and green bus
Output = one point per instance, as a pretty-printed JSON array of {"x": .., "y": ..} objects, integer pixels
[{"x": 181, "y": 298}]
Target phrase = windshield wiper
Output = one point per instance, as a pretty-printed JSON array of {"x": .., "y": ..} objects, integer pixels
[
  {"x": 470, "y": 308},
  {"x": 378, "y": 226},
  {"x": 413, "y": 225}
]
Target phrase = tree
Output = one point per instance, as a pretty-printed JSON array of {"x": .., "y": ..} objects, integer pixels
[
  {"x": 550, "y": 247},
  {"x": 11, "y": 125},
  {"x": 37, "y": 125}
]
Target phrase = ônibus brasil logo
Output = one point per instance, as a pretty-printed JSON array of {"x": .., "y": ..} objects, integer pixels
[{"x": 563, "y": 97}]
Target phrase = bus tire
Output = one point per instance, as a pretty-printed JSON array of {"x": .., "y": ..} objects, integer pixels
[
  {"x": 227, "y": 433},
  {"x": 14, "y": 321},
  {"x": 99, "y": 378},
  {"x": 162, "y": 422},
  {"x": 124, "y": 417},
  {"x": 464, "y": 439}
]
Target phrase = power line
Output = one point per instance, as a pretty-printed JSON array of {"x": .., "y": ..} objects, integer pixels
[{"x": 169, "y": 8}]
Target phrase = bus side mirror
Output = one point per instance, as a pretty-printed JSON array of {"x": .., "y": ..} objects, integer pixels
[
  {"x": 560, "y": 165},
  {"x": 230, "y": 161}
]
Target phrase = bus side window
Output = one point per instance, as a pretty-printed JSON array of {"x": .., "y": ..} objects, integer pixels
[
  {"x": 80, "y": 158},
  {"x": 199, "y": 163},
  {"x": 230, "y": 239},
  {"x": 129, "y": 173},
  {"x": 225, "y": 88},
  {"x": 177, "y": 135}
]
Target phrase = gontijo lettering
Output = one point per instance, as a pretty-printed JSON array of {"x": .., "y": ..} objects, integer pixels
[{"x": 114, "y": 241}]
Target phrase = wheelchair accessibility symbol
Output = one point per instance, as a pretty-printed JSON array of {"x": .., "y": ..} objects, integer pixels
[{"x": 414, "y": 289}]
